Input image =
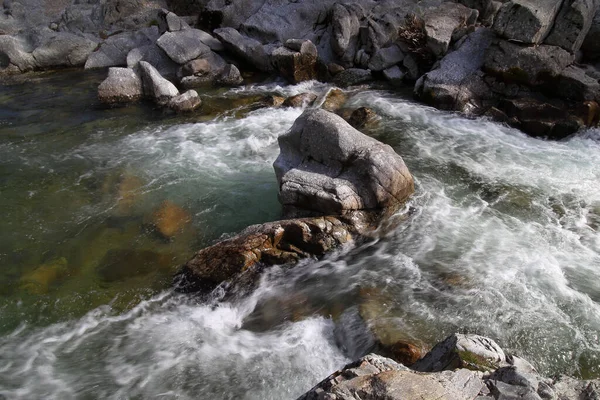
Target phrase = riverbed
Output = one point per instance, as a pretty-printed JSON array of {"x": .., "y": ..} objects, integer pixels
[{"x": 501, "y": 238}]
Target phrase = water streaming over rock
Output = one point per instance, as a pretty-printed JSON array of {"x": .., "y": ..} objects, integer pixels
[{"x": 502, "y": 238}]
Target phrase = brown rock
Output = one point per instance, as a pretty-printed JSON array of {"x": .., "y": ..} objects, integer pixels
[
  {"x": 169, "y": 219},
  {"x": 280, "y": 242},
  {"x": 362, "y": 117},
  {"x": 272, "y": 101},
  {"x": 128, "y": 192},
  {"x": 300, "y": 100},
  {"x": 297, "y": 64},
  {"x": 120, "y": 264},
  {"x": 334, "y": 68},
  {"x": 41, "y": 278},
  {"x": 334, "y": 100}
]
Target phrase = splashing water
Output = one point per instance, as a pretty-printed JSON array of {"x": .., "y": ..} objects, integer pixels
[{"x": 502, "y": 239}]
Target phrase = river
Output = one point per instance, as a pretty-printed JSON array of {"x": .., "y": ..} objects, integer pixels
[{"x": 502, "y": 238}]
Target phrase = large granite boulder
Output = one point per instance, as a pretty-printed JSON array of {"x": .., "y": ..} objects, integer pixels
[
  {"x": 443, "y": 22},
  {"x": 457, "y": 81},
  {"x": 15, "y": 55},
  {"x": 113, "y": 51},
  {"x": 155, "y": 56},
  {"x": 328, "y": 167},
  {"x": 185, "y": 45},
  {"x": 345, "y": 26},
  {"x": 121, "y": 85},
  {"x": 249, "y": 50},
  {"x": 376, "y": 377},
  {"x": 206, "y": 69},
  {"x": 530, "y": 65},
  {"x": 572, "y": 24},
  {"x": 526, "y": 21},
  {"x": 62, "y": 49},
  {"x": 591, "y": 43},
  {"x": 385, "y": 58}
]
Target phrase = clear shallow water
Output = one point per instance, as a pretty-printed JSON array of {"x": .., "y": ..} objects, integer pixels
[{"x": 502, "y": 240}]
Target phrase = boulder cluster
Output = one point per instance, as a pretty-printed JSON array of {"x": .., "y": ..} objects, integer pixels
[
  {"x": 335, "y": 185},
  {"x": 462, "y": 367},
  {"x": 530, "y": 64}
]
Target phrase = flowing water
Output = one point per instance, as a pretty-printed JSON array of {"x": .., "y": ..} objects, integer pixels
[{"x": 501, "y": 238}]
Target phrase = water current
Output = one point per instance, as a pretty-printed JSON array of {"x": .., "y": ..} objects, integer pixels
[{"x": 502, "y": 238}]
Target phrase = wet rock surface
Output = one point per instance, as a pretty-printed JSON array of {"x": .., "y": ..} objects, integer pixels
[
  {"x": 327, "y": 166},
  {"x": 507, "y": 377},
  {"x": 281, "y": 242}
]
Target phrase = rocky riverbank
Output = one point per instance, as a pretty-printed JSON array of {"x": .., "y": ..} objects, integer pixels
[
  {"x": 462, "y": 367},
  {"x": 531, "y": 65}
]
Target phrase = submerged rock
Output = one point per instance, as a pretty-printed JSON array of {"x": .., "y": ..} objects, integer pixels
[
  {"x": 362, "y": 117},
  {"x": 169, "y": 219},
  {"x": 41, "y": 278},
  {"x": 334, "y": 100},
  {"x": 327, "y": 166},
  {"x": 300, "y": 100}
]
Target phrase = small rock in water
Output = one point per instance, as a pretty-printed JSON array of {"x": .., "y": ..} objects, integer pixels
[
  {"x": 121, "y": 264},
  {"x": 40, "y": 279},
  {"x": 272, "y": 101},
  {"x": 300, "y": 100},
  {"x": 362, "y": 117},
  {"x": 128, "y": 192},
  {"x": 170, "y": 219},
  {"x": 185, "y": 102},
  {"x": 334, "y": 100}
]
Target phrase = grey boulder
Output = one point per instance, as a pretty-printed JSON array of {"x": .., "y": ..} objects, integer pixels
[
  {"x": 527, "y": 21},
  {"x": 526, "y": 64},
  {"x": 155, "y": 56},
  {"x": 376, "y": 377},
  {"x": 121, "y": 85},
  {"x": 183, "y": 46},
  {"x": 114, "y": 50},
  {"x": 352, "y": 76},
  {"x": 230, "y": 76},
  {"x": 572, "y": 24},
  {"x": 62, "y": 49},
  {"x": 155, "y": 86},
  {"x": 326, "y": 166},
  {"x": 457, "y": 80},
  {"x": 462, "y": 351},
  {"x": 385, "y": 58},
  {"x": 442, "y": 22},
  {"x": 247, "y": 49}
]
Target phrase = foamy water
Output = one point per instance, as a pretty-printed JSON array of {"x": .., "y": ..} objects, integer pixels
[{"x": 501, "y": 239}]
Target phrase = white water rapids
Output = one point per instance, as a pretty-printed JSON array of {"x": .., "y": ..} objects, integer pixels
[{"x": 502, "y": 238}]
